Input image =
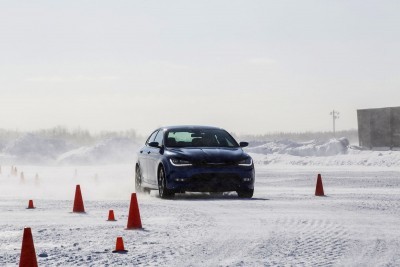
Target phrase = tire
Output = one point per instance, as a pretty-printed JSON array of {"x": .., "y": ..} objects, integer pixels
[
  {"x": 163, "y": 191},
  {"x": 146, "y": 190},
  {"x": 248, "y": 193},
  {"x": 138, "y": 182}
]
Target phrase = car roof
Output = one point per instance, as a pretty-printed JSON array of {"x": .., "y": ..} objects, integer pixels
[{"x": 192, "y": 127}]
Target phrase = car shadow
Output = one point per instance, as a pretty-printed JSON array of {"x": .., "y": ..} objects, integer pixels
[{"x": 207, "y": 197}]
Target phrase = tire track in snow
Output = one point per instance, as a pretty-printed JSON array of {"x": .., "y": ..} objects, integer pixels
[
  {"x": 300, "y": 242},
  {"x": 229, "y": 241},
  {"x": 373, "y": 252}
]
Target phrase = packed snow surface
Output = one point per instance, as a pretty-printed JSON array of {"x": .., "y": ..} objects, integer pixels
[{"x": 356, "y": 224}]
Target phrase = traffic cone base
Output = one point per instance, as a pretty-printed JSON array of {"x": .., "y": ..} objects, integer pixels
[
  {"x": 119, "y": 251},
  {"x": 119, "y": 247},
  {"x": 319, "y": 189},
  {"x": 134, "y": 221},
  {"x": 28, "y": 254}
]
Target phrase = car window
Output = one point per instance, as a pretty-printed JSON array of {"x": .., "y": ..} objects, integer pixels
[
  {"x": 199, "y": 138},
  {"x": 151, "y": 137},
  {"x": 159, "y": 137}
]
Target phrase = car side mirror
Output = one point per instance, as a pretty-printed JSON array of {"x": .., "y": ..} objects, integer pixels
[
  {"x": 243, "y": 144},
  {"x": 154, "y": 144}
]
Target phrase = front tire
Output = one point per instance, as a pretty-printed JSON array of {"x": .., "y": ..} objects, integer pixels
[
  {"x": 247, "y": 193},
  {"x": 163, "y": 191}
]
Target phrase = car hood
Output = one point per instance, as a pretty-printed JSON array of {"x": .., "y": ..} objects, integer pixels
[{"x": 209, "y": 155}]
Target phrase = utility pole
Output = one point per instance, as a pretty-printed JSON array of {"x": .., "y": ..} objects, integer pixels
[{"x": 335, "y": 115}]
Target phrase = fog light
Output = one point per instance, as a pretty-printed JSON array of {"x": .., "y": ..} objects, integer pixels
[
  {"x": 246, "y": 179},
  {"x": 179, "y": 179}
]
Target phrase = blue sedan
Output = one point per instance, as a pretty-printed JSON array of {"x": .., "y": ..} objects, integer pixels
[{"x": 177, "y": 159}]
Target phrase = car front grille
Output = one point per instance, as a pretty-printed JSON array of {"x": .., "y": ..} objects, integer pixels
[
  {"x": 214, "y": 164},
  {"x": 215, "y": 181}
]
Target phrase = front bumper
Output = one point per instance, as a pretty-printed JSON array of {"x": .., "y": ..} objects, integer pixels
[{"x": 210, "y": 179}]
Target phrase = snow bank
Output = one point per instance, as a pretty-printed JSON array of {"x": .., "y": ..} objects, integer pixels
[
  {"x": 41, "y": 150},
  {"x": 36, "y": 149},
  {"x": 312, "y": 153},
  {"x": 303, "y": 149},
  {"x": 31, "y": 148},
  {"x": 112, "y": 150}
]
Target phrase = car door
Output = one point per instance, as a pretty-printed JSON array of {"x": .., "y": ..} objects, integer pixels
[
  {"x": 153, "y": 158},
  {"x": 144, "y": 157}
]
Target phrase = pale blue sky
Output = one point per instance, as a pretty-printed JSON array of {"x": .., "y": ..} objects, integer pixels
[{"x": 247, "y": 66}]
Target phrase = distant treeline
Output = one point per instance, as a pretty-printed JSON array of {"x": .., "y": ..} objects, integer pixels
[
  {"x": 351, "y": 135},
  {"x": 77, "y": 136},
  {"x": 84, "y": 137}
]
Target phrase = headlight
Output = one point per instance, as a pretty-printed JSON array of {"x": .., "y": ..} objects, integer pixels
[
  {"x": 246, "y": 162},
  {"x": 180, "y": 162}
]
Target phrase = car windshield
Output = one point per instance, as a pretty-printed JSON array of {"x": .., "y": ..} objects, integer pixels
[{"x": 199, "y": 138}]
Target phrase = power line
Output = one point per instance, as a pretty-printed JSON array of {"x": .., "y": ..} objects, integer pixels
[{"x": 335, "y": 115}]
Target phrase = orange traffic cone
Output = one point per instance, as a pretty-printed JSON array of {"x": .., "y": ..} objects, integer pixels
[
  {"x": 30, "y": 204},
  {"x": 111, "y": 216},
  {"x": 78, "y": 202},
  {"x": 119, "y": 247},
  {"x": 319, "y": 189},
  {"x": 28, "y": 254},
  {"x": 134, "y": 221}
]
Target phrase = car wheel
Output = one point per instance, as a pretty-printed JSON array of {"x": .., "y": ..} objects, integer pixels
[
  {"x": 146, "y": 190},
  {"x": 248, "y": 193},
  {"x": 138, "y": 182},
  {"x": 163, "y": 191}
]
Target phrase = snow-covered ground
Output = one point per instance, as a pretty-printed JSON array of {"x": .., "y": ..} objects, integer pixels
[{"x": 356, "y": 224}]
